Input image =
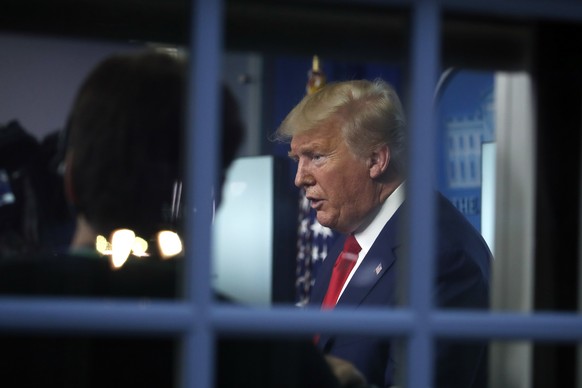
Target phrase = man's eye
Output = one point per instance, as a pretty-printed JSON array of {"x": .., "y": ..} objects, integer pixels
[{"x": 317, "y": 157}]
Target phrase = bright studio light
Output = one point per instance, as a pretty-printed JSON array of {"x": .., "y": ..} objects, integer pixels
[
  {"x": 122, "y": 242},
  {"x": 169, "y": 244},
  {"x": 125, "y": 242}
]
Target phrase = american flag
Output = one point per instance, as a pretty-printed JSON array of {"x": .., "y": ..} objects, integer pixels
[
  {"x": 313, "y": 243},
  {"x": 313, "y": 239}
]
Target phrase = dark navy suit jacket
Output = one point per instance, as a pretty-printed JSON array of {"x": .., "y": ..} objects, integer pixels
[{"x": 462, "y": 281}]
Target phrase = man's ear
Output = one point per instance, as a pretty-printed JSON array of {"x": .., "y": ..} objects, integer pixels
[
  {"x": 68, "y": 179},
  {"x": 378, "y": 161}
]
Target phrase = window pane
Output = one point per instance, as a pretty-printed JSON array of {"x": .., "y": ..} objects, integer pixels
[{"x": 44, "y": 248}]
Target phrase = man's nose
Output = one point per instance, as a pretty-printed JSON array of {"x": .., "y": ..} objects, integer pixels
[{"x": 302, "y": 176}]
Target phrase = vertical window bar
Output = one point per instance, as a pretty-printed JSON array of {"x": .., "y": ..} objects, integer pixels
[
  {"x": 579, "y": 346},
  {"x": 202, "y": 162},
  {"x": 425, "y": 62}
]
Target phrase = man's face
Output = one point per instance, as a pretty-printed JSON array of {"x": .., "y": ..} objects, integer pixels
[{"x": 336, "y": 181}]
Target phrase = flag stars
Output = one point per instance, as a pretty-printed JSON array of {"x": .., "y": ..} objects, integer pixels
[
  {"x": 312, "y": 248},
  {"x": 315, "y": 253},
  {"x": 304, "y": 227},
  {"x": 319, "y": 229}
]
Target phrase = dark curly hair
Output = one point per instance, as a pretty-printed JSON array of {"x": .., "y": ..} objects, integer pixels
[{"x": 125, "y": 140}]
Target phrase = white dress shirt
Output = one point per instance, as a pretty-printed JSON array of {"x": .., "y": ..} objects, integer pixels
[{"x": 369, "y": 233}]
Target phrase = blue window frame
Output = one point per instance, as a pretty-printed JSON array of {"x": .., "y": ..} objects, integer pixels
[{"x": 197, "y": 321}]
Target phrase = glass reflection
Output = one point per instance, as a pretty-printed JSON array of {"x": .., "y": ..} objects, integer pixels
[{"x": 125, "y": 242}]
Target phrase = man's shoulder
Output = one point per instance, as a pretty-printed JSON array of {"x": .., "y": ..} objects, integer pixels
[
  {"x": 448, "y": 215},
  {"x": 69, "y": 274}
]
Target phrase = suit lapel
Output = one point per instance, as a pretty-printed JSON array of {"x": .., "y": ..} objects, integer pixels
[{"x": 378, "y": 261}]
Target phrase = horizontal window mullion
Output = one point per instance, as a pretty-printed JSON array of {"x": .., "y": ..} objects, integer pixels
[
  {"x": 91, "y": 315},
  {"x": 539, "y": 326},
  {"x": 308, "y": 321},
  {"x": 95, "y": 315}
]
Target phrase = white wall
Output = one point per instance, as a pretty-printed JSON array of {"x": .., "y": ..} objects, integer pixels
[
  {"x": 243, "y": 232},
  {"x": 39, "y": 77}
]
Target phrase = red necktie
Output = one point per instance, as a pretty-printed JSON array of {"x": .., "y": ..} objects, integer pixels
[{"x": 341, "y": 269}]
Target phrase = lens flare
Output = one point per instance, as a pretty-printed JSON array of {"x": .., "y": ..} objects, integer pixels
[
  {"x": 122, "y": 241},
  {"x": 169, "y": 244}
]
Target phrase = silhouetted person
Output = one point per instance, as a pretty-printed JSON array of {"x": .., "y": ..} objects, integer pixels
[{"x": 123, "y": 166}]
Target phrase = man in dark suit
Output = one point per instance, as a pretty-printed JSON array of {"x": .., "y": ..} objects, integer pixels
[{"x": 349, "y": 140}]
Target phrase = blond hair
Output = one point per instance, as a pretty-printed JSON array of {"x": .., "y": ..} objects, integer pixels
[{"x": 370, "y": 114}]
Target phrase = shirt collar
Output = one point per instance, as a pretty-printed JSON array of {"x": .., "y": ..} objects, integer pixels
[{"x": 368, "y": 235}]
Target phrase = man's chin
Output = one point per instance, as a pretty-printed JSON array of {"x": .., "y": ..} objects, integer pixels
[{"x": 323, "y": 221}]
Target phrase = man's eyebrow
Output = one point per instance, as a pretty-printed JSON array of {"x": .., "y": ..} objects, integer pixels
[{"x": 308, "y": 149}]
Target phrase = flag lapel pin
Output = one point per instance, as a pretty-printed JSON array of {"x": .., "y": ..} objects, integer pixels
[{"x": 378, "y": 269}]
